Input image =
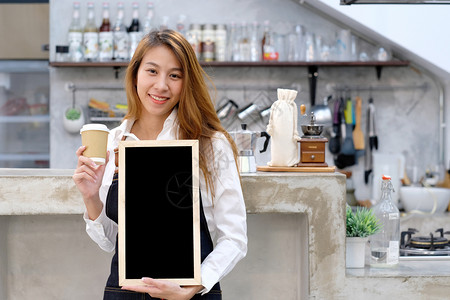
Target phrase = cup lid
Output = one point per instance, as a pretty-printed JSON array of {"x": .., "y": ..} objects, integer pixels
[{"x": 100, "y": 127}]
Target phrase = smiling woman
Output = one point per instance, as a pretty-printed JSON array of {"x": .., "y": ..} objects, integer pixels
[
  {"x": 168, "y": 99},
  {"x": 159, "y": 84}
]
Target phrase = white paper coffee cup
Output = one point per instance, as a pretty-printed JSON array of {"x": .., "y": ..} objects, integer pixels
[{"x": 95, "y": 138}]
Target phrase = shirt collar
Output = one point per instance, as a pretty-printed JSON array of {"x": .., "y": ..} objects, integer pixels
[{"x": 170, "y": 124}]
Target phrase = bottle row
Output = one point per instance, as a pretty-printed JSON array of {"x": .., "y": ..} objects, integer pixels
[
  {"x": 109, "y": 41},
  {"x": 231, "y": 42}
]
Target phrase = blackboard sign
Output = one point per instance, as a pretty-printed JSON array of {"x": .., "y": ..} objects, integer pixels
[{"x": 159, "y": 212}]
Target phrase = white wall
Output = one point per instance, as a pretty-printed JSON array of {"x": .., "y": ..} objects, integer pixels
[{"x": 419, "y": 28}]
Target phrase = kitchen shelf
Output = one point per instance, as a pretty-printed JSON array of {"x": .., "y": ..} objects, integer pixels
[
  {"x": 392, "y": 63},
  {"x": 313, "y": 66},
  {"x": 25, "y": 119}
]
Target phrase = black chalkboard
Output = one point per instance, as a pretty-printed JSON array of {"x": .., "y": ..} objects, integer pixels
[{"x": 159, "y": 231}]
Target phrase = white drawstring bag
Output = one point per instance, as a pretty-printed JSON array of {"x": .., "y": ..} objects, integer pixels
[{"x": 282, "y": 128}]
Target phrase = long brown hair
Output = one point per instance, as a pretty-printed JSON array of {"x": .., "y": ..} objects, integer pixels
[{"x": 197, "y": 117}]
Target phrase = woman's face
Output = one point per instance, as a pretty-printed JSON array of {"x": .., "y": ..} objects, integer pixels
[{"x": 159, "y": 82}]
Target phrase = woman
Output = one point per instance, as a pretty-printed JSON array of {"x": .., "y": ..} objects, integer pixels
[{"x": 168, "y": 99}]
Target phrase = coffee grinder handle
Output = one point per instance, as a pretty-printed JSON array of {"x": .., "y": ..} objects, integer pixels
[{"x": 266, "y": 142}]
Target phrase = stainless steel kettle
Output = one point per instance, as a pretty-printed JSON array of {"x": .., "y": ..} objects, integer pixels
[{"x": 246, "y": 143}]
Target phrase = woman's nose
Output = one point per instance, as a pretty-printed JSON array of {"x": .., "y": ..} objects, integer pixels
[{"x": 161, "y": 83}]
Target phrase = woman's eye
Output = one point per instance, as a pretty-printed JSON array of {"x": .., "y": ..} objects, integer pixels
[
  {"x": 151, "y": 71},
  {"x": 175, "y": 76}
]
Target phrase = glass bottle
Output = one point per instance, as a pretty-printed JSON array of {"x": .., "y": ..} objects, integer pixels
[
  {"x": 295, "y": 52},
  {"x": 75, "y": 36},
  {"x": 208, "y": 42},
  {"x": 193, "y": 36},
  {"x": 233, "y": 43},
  {"x": 181, "y": 24},
  {"x": 164, "y": 23},
  {"x": 90, "y": 35},
  {"x": 310, "y": 47},
  {"x": 121, "y": 48},
  {"x": 134, "y": 30},
  {"x": 244, "y": 43},
  {"x": 255, "y": 49},
  {"x": 384, "y": 245},
  {"x": 268, "y": 44},
  {"x": 149, "y": 18},
  {"x": 221, "y": 42},
  {"x": 105, "y": 36}
]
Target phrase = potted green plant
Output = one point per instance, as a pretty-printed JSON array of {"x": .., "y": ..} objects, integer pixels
[
  {"x": 73, "y": 119},
  {"x": 359, "y": 226}
]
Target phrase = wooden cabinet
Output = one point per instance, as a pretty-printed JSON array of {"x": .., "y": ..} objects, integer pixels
[{"x": 24, "y": 30}]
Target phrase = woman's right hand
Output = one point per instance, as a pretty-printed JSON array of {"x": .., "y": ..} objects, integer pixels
[{"x": 88, "y": 179}]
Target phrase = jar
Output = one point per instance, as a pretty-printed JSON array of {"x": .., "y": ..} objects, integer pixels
[{"x": 62, "y": 53}]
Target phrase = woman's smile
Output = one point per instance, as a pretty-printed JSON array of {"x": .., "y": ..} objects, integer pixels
[{"x": 158, "y": 99}]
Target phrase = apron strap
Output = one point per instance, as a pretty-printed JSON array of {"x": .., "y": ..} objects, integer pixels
[{"x": 116, "y": 156}]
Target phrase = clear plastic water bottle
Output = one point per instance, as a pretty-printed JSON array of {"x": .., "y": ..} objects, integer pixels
[{"x": 385, "y": 245}]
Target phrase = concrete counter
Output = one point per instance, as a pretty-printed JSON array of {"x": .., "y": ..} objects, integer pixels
[
  {"x": 296, "y": 229},
  {"x": 295, "y": 224}
]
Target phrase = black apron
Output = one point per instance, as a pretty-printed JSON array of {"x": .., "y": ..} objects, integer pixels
[{"x": 112, "y": 289}]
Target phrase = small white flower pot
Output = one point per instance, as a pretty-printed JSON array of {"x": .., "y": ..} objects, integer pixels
[
  {"x": 73, "y": 126},
  {"x": 355, "y": 252}
]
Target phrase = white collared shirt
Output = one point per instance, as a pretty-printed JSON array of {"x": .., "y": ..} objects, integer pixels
[{"x": 226, "y": 217}]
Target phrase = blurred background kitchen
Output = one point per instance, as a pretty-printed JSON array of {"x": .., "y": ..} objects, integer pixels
[{"x": 309, "y": 46}]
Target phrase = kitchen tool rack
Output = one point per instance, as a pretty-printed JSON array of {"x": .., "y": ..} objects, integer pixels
[{"x": 96, "y": 115}]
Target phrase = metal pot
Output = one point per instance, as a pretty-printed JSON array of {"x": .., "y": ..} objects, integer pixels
[
  {"x": 312, "y": 129},
  {"x": 323, "y": 112}
]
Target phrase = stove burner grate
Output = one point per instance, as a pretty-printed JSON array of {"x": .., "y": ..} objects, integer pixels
[{"x": 424, "y": 245}]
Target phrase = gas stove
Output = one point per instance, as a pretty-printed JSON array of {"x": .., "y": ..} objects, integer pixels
[{"x": 430, "y": 246}]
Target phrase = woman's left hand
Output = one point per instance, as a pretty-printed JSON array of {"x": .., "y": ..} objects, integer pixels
[{"x": 165, "y": 289}]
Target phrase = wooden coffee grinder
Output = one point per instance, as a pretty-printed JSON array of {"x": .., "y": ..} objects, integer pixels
[{"x": 312, "y": 144}]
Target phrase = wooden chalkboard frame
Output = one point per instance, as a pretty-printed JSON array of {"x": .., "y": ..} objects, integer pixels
[{"x": 163, "y": 150}]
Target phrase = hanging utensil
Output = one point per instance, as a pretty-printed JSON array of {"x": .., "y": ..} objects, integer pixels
[
  {"x": 373, "y": 139},
  {"x": 312, "y": 78},
  {"x": 368, "y": 162},
  {"x": 348, "y": 147},
  {"x": 358, "y": 136},
  {"x": 368, "y": 159},
  {"x": 335, "y": 140}
]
